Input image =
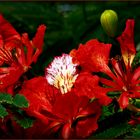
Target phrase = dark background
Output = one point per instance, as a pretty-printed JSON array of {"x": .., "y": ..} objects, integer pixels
[{"x": 68, "y": 24}]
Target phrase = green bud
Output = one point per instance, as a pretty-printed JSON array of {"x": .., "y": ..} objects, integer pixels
[{"x": 109, "y": 22}]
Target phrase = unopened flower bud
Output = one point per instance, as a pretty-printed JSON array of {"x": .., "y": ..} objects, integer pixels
[{"x": 109, "y": 21}]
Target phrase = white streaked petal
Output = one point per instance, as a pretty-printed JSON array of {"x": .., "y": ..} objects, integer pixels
[{"x": 62, "y": 73}]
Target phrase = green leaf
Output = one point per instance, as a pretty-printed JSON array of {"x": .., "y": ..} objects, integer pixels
[
  {"x": 114, "y": 132},
  {"x": 20, "y": 101},
  {"x": 136, "y": 133},
  {"x": 5, "y": 98},
  {"x": 25, "y": 123},
  {"x": 3, "y": 111},
  {"x": 136, "y": 102},
  {"x": 106, "y": 112}
]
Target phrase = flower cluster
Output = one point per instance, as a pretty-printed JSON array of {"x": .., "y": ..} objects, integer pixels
[
  {"x": 17, "y": 53},
  {"x": 67, "y": 101}
]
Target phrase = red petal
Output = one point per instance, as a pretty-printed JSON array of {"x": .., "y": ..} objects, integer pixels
[
  {"x": 7, "y": 30},
  {"x": 66, "y": 106},
  {"x": 87, "y": 85},
  {"x": 34, "y": 48},
  {"x": 134, "y": 121},
  {"x": 100, "y": 93},
  {"x": 30, "y": 49},
  {"x": 136, "y": 75},
  {"x": 70, "y": 108},
  {"x": 39, "y": 94},
  {"x": 93, "y": 56},
  {"x": 88, "y": 125},
  {"x": 66, "y": 131},
  {"x": 126, "y": 41},
  {"x": 9, "y": 76},
  {"x": 39, "y": 37},
  {"x": 8, "y": 33},
  {"x": 38, "y": 41},
  {"x": 1, "y": 41},
  {"x": 114, "y": 86},
  {"x": 123, "y": 100}
]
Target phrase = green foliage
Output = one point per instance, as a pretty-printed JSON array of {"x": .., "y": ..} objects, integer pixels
[
  {"x": 114, "y": 132},
  {"x": 15, "y": 104},
  {"x": 25, "y": 122},
  {"x": 136, "y": 132},
  {"x": 5, "y": 98},
  {"x": 113, "y": 122},
  {"x": 136, "y": 61},
  {"x": 136, "y": 102},
  {"x": 3, "y": 111},
  {"x": 20, "y": 101},
  {"x": 106, "y": 111}
]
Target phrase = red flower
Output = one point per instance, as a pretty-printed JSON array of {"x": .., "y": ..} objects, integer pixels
[
  {"x": 34, "y": 47},
  {"x": 126, "y": 41},
  {"x": 123, "y": 78},
  {"x": 62, "y": 73},
  {"x": 9, "y": 39},
  {"x": 74, "y": 115},
  {"x": 88, "y": 85},
  {"x": 17, "y": 52},
  {"x": 93, "y": 56},
  {"x": 40, "y": 95}
]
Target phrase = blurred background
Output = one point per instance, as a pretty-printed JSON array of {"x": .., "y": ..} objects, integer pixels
[{"x": 68, "y": 24}]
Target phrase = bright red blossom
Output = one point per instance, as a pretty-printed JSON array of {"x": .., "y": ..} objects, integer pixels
[
  {"x": 12, "y": 52},
  {"x": 93, "y": 56},
  {"x": 62, "y": 73},
  {"x": 124, "y": 79},
  {"x": 74, "y": 115},
  {"x": 67, "y": 100},
  {"x": 126, "y": 41},
  {"x": 40, "y": 95}
]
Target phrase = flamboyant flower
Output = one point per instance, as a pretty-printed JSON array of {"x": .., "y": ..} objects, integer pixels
[
  {"x": 126, "y": 41},
  {"x": 94, "y": 57},
  {"x": 17, "y": 52},
  {"x": 62, "y": 73},
  {"x": 40, "y": 95},
  {"x": 62, "y": 102},
  {"x": 125, "y": 79},
  {"x": 75, "y": 116}
]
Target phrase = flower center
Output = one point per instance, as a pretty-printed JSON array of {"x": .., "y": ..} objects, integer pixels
[{"x": 62, "y": 73}]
